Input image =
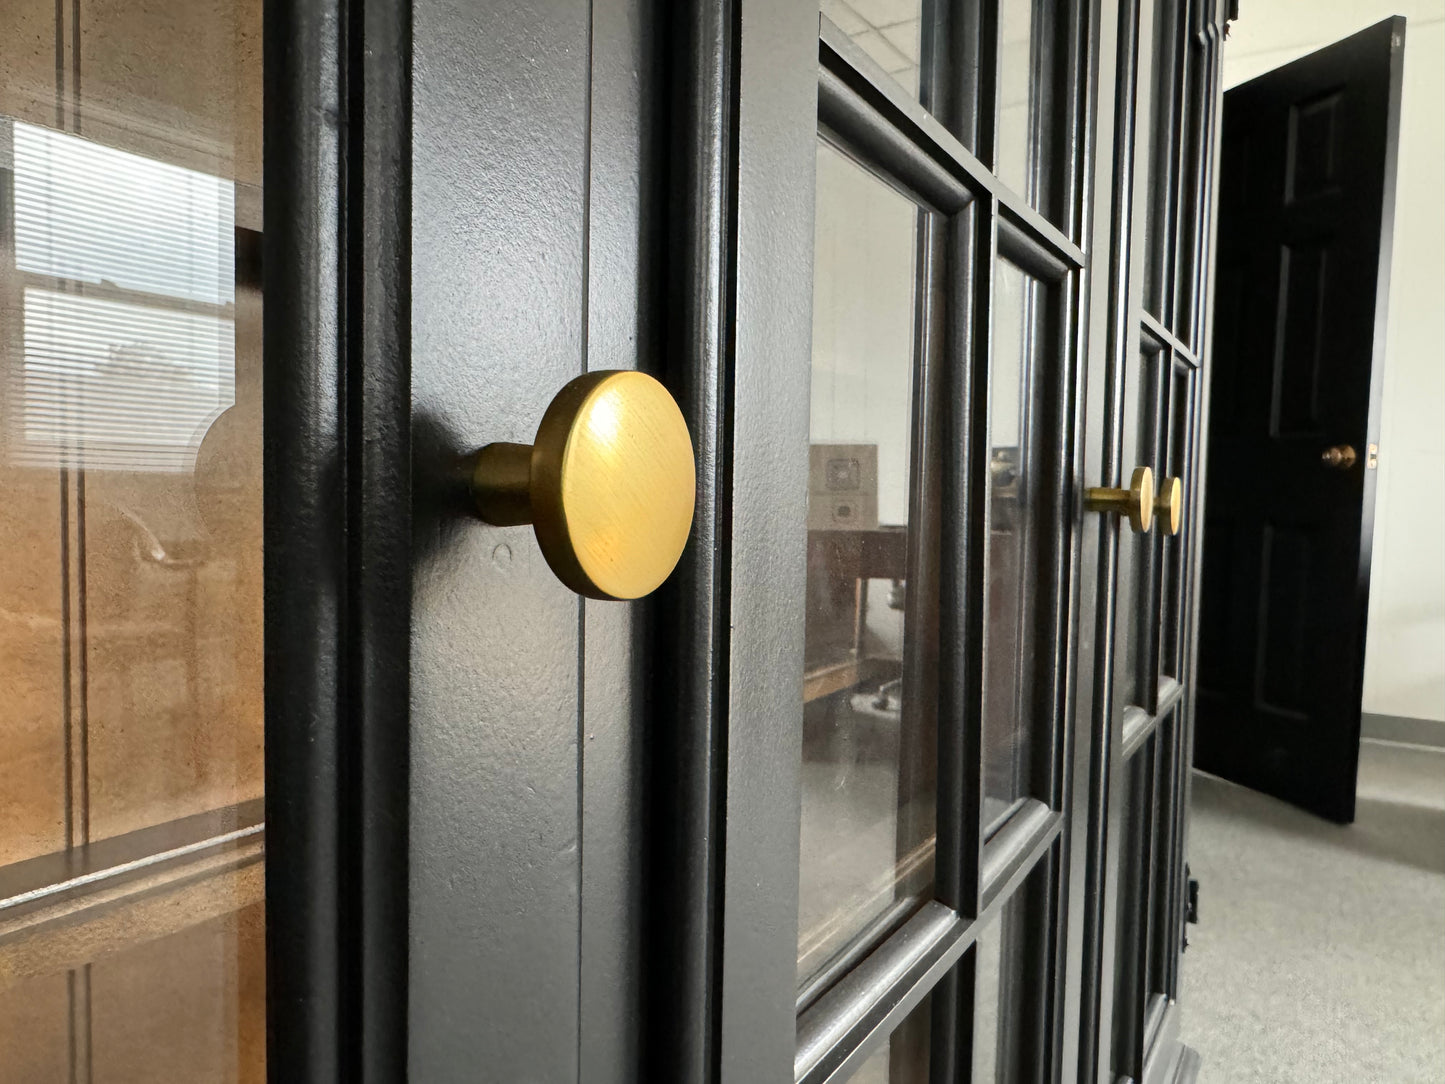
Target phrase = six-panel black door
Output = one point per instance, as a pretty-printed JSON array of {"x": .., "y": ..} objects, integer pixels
[{"x": 1306, "y": 215}]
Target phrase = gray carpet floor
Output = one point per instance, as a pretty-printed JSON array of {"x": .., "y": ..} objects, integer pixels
[{"x": 1320, "y": 955}]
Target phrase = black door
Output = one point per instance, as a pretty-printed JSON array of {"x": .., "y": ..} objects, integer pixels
[
  {"x": 1306, "y": 214},
  {"x": 1149, "y": 352},
  {"x": 845, "y": 798}
]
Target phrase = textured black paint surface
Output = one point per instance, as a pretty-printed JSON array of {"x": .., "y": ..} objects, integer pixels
[
  {"x": 336, "y": 528},
  {"x": 500, "y": 160}
]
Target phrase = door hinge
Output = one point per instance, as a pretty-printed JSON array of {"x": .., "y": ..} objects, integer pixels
[{"x": 1191, "y": 906}]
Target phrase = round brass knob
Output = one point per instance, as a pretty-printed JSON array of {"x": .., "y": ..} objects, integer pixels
[
  {"x": 1169, "y": 505},
  {"x": 1137, "y": 502},
  {"x": 1340, "y": 457},
  {"x": 608, "y": 485}
]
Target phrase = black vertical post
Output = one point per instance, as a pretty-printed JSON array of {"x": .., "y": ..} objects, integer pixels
[{"x": 336, "y": 269}]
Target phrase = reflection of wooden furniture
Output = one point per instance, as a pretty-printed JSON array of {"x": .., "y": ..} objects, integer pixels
[
  {"x": 840, "y": 564},
  {"x": 1006, "y": 710},
  {"x": 63, "y": 910}
]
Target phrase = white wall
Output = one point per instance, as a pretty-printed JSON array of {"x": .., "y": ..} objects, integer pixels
[
  {"x": 863, "y": 321},
  {"x": 1405, "y": 651}
]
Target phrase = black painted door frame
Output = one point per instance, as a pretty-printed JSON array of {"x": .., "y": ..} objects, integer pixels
[{"x": 510, "y": 829}]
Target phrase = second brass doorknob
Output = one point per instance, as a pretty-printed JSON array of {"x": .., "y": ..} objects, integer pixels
[
  {"x": 1169, "y": 505},
  {"x": 1136, "y": 502},
  {"x": 608, "y": 485}
]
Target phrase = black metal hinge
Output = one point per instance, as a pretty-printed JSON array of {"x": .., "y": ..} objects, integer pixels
[{"x": 1191, "y": 908}]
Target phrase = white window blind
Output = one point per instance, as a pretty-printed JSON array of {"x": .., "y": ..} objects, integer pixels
[
  {"x": 129, "y": 342},
  {"x": 111, "y": 384}
]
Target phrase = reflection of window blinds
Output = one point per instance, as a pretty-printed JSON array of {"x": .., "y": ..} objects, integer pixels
[
  {"x": 118, "y": 385},
  {"x": 127, "y": 380}
]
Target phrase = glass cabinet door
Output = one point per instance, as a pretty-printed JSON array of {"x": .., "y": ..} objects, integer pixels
[{"x": 131, "y": 870}]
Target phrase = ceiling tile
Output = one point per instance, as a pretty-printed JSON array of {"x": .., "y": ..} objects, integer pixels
[
  {"x": 876, "y": 46},
  {"x": 904, "y": 38},
  {"x": 848, "y": 20},
  {"x": 883, "y": 13}
]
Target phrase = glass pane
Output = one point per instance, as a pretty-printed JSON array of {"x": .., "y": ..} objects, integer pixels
[
  {"x": 190, "y": 1006},
  {"x": 1163, "y": 149},
  {"x": 903, "y": 1059},
  {"x": 1022, "y": 409},
  {"x": 1181, "y": 404},
  {"x": 1137, "y": 636},
  {"x": 887, "y": 30},
  {"x": 1008, "y": 966},
  {"x": 1190, "y": 198},
  {"x": 1031, "y": 100},
  {"x": 1130, "y": 857},
  {"x": 868, "y": 792},
  {"x": 131, "y": 597}
]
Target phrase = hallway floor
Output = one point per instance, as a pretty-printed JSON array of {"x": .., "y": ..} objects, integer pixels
[{"x": 1320, "y": 956}]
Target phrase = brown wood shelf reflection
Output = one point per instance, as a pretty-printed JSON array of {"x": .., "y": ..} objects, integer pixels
[
  {"x": 825, "y": 680},
  {"x": 68, "y": 909}
]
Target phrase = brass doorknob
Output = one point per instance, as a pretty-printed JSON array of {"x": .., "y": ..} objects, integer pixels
[
  {"x": 1340, "y": 457},
  {"x": 1169, "y": 505},
  {"x": 608, "y": 485},
  {"x": 1137, "y": 502}
]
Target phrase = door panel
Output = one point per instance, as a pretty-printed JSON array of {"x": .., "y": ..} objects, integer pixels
[
  {"x": 912, "y": 579},
  {"x": 499, "y": 283},
  {"x": 1308, "y": 172},
  {"x": 1000, "y": 381},
  {"x": 1143, "y": 393}
]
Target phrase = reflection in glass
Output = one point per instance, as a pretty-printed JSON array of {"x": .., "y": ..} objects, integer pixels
[
  {"x": 1014, "y": 498},
  {"x": 1029, "y": 105},
  {"x": 1130, "y": 858},
  {"x": 903, "y": 1058},
  {"x": 1009, "y": 976},
  {"x": 1138, "y": 622},
  {"x": 989, "y": 965},
  {"x": 887, "y": 30},
  {"x": 131, "y": 594},
  {"x": 868, "y": 794},
  {"x": 1163, "y": 146},
  {"x": 1171, "y": 655}
]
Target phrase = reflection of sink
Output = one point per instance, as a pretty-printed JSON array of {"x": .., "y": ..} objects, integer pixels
[
  {"x": 885, "y": 702},
  {"x": 1003, "y": 466}
]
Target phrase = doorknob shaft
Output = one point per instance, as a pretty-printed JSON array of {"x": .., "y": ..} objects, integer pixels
[
  {"x": 1136, "y": 502},
  {"x": 502, "y": 484},
  {"x": 608, "y": 485}
]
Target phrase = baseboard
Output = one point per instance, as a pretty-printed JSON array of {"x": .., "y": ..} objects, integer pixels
[{"x": 1403, "y": 728}]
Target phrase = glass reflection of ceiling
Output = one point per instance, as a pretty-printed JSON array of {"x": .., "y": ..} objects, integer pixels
[{"x": 887, "y": 30}]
